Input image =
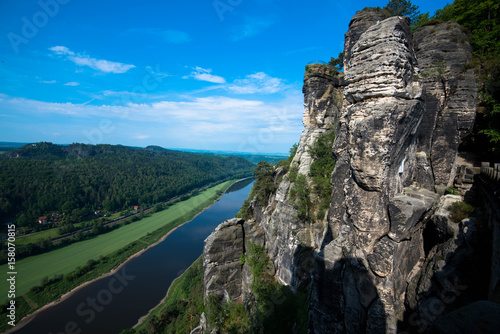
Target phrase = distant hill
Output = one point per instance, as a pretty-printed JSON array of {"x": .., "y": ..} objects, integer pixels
[
  {"x": 6, "y": 146},
  {"x": 41, "y": 178},
  {"x": 272, "y": 158},
  {"x": 30, "y": 150}
]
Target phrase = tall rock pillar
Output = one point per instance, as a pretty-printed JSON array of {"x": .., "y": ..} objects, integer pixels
[{"x": 368, "y": 251}]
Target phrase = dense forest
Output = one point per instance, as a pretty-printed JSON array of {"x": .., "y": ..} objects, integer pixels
[{"x": 75, "y": 180}]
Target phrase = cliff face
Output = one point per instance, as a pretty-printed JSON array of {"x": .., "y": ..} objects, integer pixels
[
  {"x": 398, "y": 126},
  {"x": 275, "y": 225},
  {"x": 450, "y": 95},
  {"x": 375, "y": 234}
]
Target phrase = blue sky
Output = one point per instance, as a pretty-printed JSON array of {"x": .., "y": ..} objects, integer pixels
[{"x": 197, "y": 74}]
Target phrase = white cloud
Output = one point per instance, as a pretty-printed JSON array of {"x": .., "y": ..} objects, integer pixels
[
  {"x": 62, "y": 50},
  {"x": 238, "y": 124},
  {"x": 203, "y": 74},
  {"x": 72, "y": 83},
  {"x": 102, "y": 65},
  {"x": 257, "y": 83},
  {"x": 48, "y": 81},
  {"x": 141, "y": 137}
]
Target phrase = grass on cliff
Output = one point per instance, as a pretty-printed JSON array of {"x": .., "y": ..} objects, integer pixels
[
  {"x": 66, "y": 269},
  {"x": 459, "y": 211},
  {"x": 320, "y": 171}
]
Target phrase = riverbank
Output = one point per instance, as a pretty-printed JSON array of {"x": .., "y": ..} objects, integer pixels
[
  {"x": 158, "y": 309},
  {"x": 182, "y": 306},
  {"x": 34, "y": 303}
]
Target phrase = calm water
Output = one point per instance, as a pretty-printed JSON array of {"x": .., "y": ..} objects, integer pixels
[{"x": 115, "y": 303}]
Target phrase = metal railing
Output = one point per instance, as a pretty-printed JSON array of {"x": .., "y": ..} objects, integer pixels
[
  {"x": 492, "y": 172},
  {"x": 312, "y": 62}
]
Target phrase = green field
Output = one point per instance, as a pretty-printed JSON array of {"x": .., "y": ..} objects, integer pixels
[{"x": 31, "y": 270}]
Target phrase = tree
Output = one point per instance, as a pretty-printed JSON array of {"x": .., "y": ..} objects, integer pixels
[
  {"x": 337, "y": 63},
  {"x": 264, "y": 184},
  {"x": 402, "y": 8},
  {"x": 293, "y": 151}
]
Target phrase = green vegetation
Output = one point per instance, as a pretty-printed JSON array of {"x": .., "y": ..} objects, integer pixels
[
  {"x": 451, "y": 191},
  {"x": 321, "y": 170},
  {"x": 42, "y": 179},
  {"x": 337, "y": 63},
  {"x": 64, "y": 269},
  {"x": 285, "y": 164},
  {"x": 404, "y": 8},
  {"x": 459, "y": 211},
  {"x": 307, "y": 200},
  {"x": 264, "y": 184},
  {"x": 300, "y": 195},
  {"x": 67, "y": 259},
  {"x": 40, "y": 242}
]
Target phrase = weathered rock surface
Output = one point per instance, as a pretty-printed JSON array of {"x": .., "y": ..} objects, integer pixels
[
  {"x": 387, "y": 250},
  {"x": 388, "y": 45},
  {"x": 222, "y": 268},
  {"x": 444, "y": 56},
  {"x": 374, "y": 164},
  {"x": 289, "y": 241},
  {"x": 363, "y": 20},
  {"x": 322, "y": 101}
]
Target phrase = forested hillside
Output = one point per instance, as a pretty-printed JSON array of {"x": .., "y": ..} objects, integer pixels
[{"x": 43, "y": 178}]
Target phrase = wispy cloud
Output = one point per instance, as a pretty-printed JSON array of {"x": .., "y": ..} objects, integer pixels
[
  {"x": 102, "y": 65},
  {"x": 257, "y": 83},
  {"x": 204, "y": 74},
  {"x": 169, "y": 36},
  {"x": 141, "y": 137},
  {"x": 214, "y": 109},
  {"x": 72, "y": 83},
  {"x": 252, "y": 27},
  {"x": 48, "y": 81}
]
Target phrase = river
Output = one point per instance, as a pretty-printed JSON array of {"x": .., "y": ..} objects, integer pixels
[{"x": 114, "y": 303}]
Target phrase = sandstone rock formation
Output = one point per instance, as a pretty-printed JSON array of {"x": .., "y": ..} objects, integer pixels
[
  {"x": 382, "y": 252},
  {"x": 450, "y": 93},
  {"x": 221, "y": 261},
  {"x": 375, "y": 249}
]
